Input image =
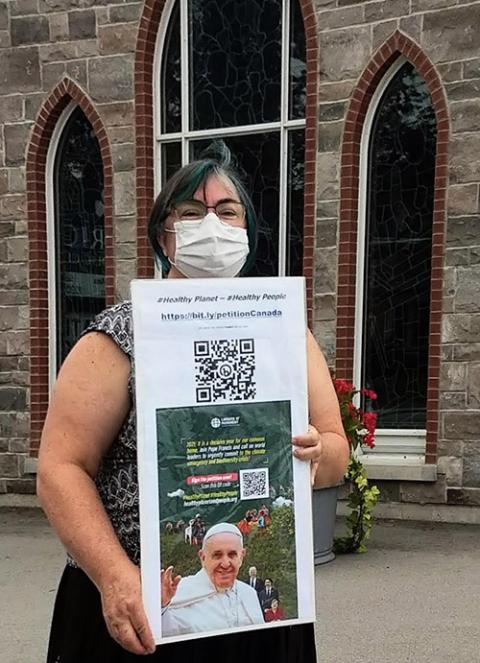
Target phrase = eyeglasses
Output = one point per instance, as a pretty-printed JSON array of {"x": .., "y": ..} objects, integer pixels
[{"x": 228, "y": 211}]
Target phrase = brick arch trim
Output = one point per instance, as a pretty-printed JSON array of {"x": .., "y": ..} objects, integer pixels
[
  {"x": 144, "y": 103},
  {"x": 397, "y": 45},
  {"x": 51, "y": 110}
]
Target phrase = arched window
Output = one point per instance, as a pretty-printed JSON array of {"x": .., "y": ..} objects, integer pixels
[
  {"x": 395, "y": 249},
  {"x": 236, "y": 71},
  {"x": 76, "y": 234}
]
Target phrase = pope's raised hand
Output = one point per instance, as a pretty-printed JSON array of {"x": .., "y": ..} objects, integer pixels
[{"x": 169, "y": 585}]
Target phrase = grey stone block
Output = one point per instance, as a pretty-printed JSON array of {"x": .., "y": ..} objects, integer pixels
[
  {"x": 9, "y": 465},
  {"x": 384, "y": 9},
  {"x": 462, "y": 198},
  {"x": 82, "y": 24},
  {"x": 340, "y": 17},
  {"x": 326, "y": 233},
  {"x": 421, "y": 5},
  {"x": 13, "y": 276},
  {"x": 462, "y": 425},
  {"x": 11, "y": 108},
  {"x": 121, "y": 135},
  {"x": 14, "y": 424},
  {"x": 4, "y": 186},
  {"x": 19, "y": 445},
  {"x": 325, "y": 308},
  {"x": 465, "y": 496},
  {"x": 327, "y": 209},
  {"x": 450, "y": 71},
  {"x": 23, "y": 7},
  {"x": 465, "y": 115},
  {"x": 123, "y": 157},
  {"x": 328, "y": 168},
  {"x": 5, "y": 39},
  {"x": 16, "y": 179},
  {"x": 14, "y": 317},
  {"x": 117, "y": 114},
  {"x": 453, "y": 400},
  {"x": 325, "y": 271},
  {"x": 118, "y": 38},
  {"x": 473, "y": 391},
  {"x": 412, "y": 26},
  {"x": 459, "y": 328},
  {"x": 452, "y": 468},
  {"x": 335, "y": 91},
  {"x": 58, "y": 24},
  {"x": 19, "y": 70},
  {"x": 13, "y": 207},
  {"x": 22, "y": 486},
  {"x": 125, "y": 229},
  {"x": 464, "y": 164},
  {"x": 467, "y": 299},
  {"x": 4, "y": 25},
  {"x": 16, "y": 140},
  {"x": 457, "y": 257},
  {"x": 329, "y": 136},
  {"x": 453, "y": 376},
  {"x": 471, "y": 463},
  {"x": 29, "y": 30},
  {"x": 327, "y": 112},
  {"x": 59, "y": 51},
  {"x": 469, "y": 89},
  {"x": 125, "y": 13},
  {"x": 448, "y": 34},
  {"x": 7, "y": 229},
  {"x": 55, "y": 72},
  {"x": 12, "y": 398},
  {"x": 33, "y": 103},
  {"x": 126, "y": 251},
  {"x": 469, "y": 352},
  {"x": 344, "y": 53},
  {"x": 428, "y": 493},
  {"x": 463, "y": 231},
  {"x": 124, "y": 186},
  {"x": 111, "y": 78},
  {"x": 382, "y": 31}
]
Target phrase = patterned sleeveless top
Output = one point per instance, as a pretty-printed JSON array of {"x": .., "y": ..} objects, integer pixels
[{"x": 116, "y": 480}]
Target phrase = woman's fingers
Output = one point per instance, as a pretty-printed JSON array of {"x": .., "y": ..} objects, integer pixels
[
  {"x": 309, "y": 445},
  {"x": 141, "y": 627}
]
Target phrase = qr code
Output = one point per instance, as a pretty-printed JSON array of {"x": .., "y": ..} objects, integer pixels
[
  {"x": 225, "y": 370},
  {"x": 254, "y": 484}
]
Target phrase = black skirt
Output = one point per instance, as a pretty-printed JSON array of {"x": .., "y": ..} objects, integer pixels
[{"x": 79, "y": 635}]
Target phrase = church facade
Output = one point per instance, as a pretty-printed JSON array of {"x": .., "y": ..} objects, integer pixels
[{"x": 356, "y": 127}]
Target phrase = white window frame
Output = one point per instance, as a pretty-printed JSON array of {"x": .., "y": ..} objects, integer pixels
[
  {"x": 399, "y": 443},
  {"x": 185, "y": 136},
  {"x": 51, "y": 241}
]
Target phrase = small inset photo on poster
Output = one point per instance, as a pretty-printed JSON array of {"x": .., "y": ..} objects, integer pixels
[{"x": 227, "y": 525}]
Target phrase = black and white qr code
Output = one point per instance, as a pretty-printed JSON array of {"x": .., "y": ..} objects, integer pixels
[
  {"x": 254, "y": 484},
  {"x": 225, "y": 370}
]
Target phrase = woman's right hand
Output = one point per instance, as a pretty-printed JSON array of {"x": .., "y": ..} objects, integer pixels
[
  {"x": 123, "y": 610},
  {"x": 169, "y": 585}
]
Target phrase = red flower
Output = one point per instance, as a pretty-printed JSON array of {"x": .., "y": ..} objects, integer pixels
[
  {"x": 369, "y": 394},
  {"x": 342, "y": 386},
  {"x": 369, "y": 440},
  {"x": 370, "y": 421}
]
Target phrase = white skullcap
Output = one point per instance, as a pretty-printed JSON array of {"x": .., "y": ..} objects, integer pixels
[{"x": 222, "y": 528}]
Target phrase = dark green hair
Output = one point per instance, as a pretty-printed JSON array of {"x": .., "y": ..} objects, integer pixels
[{"x": 215, "y": 161}]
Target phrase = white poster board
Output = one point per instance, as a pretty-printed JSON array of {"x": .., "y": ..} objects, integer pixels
[{"x": 221, "y": 388}]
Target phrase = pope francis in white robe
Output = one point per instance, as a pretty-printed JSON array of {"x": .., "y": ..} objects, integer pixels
[{"x": 212, "y": 599}]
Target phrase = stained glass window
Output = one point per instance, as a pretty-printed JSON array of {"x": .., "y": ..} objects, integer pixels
[
  {"x": 398, "y": 251},
  {"x": 244, "y": 78},
  {"x": 79, "y": 231}
]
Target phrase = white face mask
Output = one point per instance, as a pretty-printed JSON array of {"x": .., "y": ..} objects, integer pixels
[{"x": 209, "y": 248}]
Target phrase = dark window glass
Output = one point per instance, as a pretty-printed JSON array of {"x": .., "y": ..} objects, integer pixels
[
  {"x": 79, "y": 236},
  {"x": 298, "y": 64},
  {"x": 296, "y": 153},
  {"x": 171, "y": 159},
  {"x": 235, "y": 62},
  {"x": 398, "y": 251},
  {"x": 256, "y": 158},
  {"x": 171, "y": 76}
]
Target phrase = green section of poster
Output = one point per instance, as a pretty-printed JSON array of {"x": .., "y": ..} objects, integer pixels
[{"x": 229, "y": 463}]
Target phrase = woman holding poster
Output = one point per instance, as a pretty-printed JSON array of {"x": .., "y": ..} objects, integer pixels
[{"x": 202, "y": 225}]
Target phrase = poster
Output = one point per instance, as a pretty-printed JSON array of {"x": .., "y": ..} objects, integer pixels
[{"x": 225, "y": 508}]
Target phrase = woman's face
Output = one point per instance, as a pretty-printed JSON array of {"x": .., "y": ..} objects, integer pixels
[{"x": 214, "y": 190}]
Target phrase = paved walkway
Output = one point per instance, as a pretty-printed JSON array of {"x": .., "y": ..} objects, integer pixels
[{"x": 413, "y": 598}]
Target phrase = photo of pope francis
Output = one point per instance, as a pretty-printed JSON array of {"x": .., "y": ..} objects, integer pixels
[{"x": 213, "y": 599}]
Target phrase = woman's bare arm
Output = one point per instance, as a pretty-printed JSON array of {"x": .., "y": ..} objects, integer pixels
[
  {"x": 88, "y": 406},
  {"x": 325, "y": 443}
]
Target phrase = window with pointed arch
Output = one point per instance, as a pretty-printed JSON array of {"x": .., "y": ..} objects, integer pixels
[
  {"x": 236, "y": 71},
  {"x": 395, "y": 249},
  {"x": 77, "y": 280}
]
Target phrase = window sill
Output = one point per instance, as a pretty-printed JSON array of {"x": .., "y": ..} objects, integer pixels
[{"x": 386, "y": 467}]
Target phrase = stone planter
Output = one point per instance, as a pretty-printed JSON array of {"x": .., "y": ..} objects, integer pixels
[{"x": 324, "y": 508}]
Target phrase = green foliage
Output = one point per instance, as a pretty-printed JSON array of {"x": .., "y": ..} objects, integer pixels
[
  {"x": 362, "y": 500},
  {"x": 360, "y": 431}
]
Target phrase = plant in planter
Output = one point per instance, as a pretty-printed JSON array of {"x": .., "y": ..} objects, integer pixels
[{"x": 360, "y": 430}]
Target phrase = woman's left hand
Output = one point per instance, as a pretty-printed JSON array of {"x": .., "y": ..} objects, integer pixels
[{"x": 309, "y": 447}]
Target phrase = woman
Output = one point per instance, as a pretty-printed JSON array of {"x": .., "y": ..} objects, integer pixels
[
  {"x": 202, "y": 224},
  {"x": 274, "y": 612}
]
